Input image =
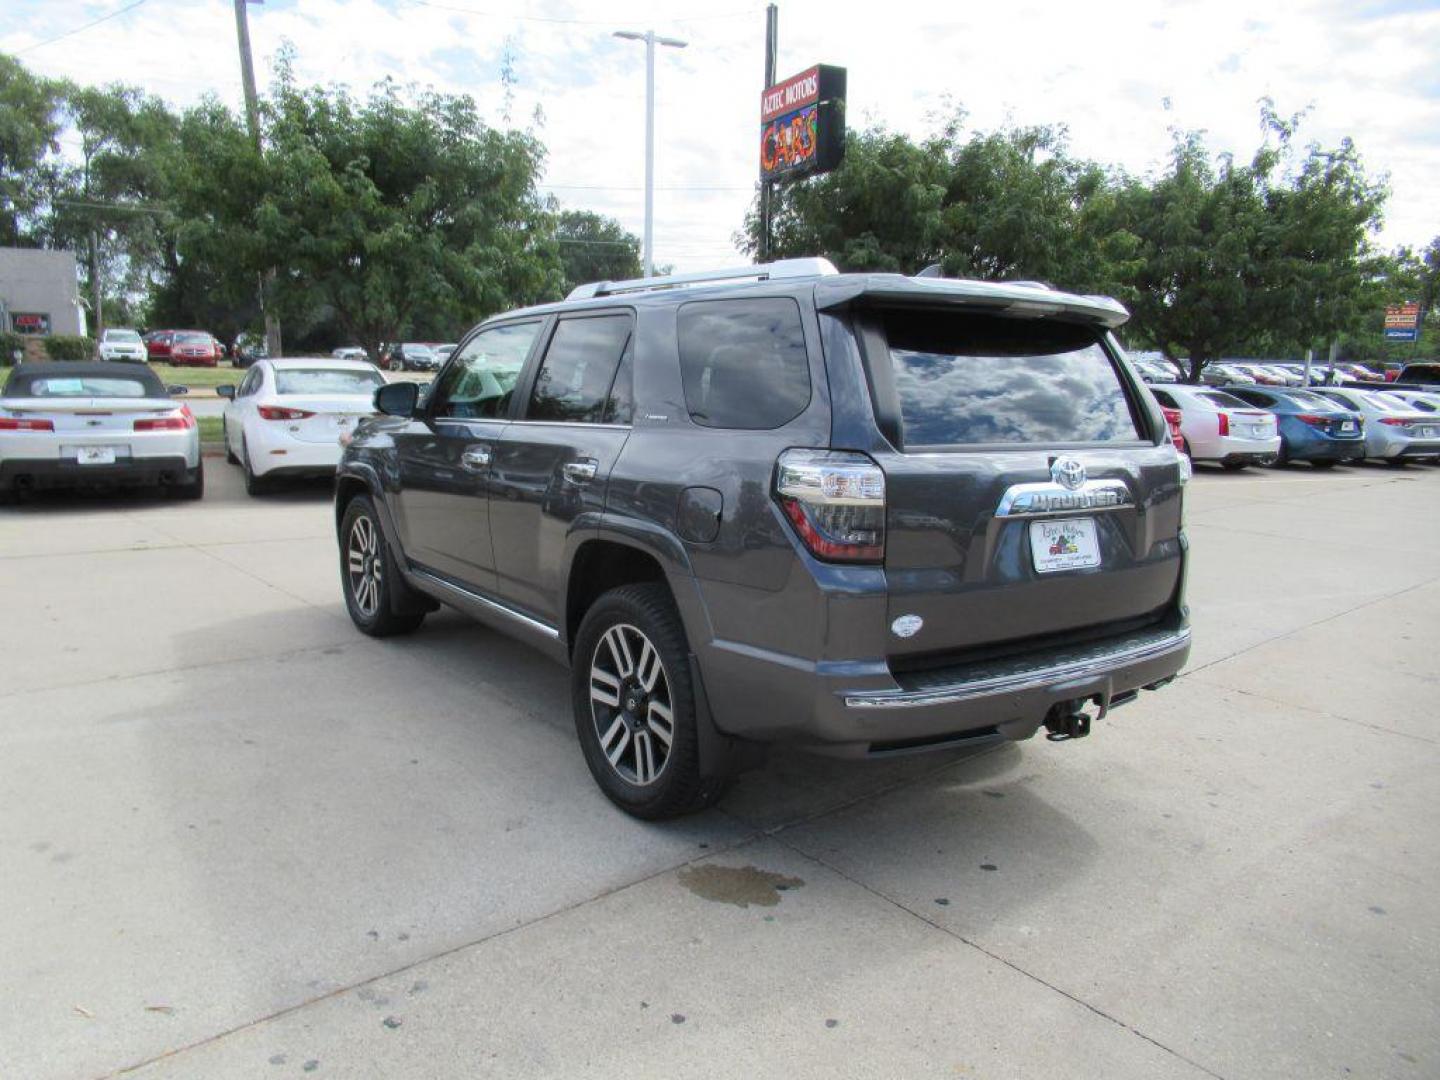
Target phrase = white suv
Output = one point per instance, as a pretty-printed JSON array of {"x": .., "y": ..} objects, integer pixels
[{"x": 117, "y": 343}]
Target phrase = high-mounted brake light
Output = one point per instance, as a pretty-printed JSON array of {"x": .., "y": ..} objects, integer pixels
[
  {"x": 8, "y": 424},
  {"x": 835, "y": 501},
  {"x": 181, "y": 419},
  {"x": 277, "y": 412}
]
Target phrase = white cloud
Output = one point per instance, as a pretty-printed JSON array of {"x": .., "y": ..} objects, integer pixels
[{"x": 1104, "y": 69}]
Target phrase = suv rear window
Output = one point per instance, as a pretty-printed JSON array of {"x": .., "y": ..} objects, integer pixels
[
  {"x": 974, "y": 379},
  {"x": 743, "y": 362}
]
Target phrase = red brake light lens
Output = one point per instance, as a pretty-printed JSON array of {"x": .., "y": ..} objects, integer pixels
[
  {"x": 182, "y": 419},
  {"x": 1224, "y": 423},
  {"x": 277, "y": 412},
  {"x": 1394, "y": 421},
  {"x": 835, "y": 501},
  {"x": 8, "y": 424}
]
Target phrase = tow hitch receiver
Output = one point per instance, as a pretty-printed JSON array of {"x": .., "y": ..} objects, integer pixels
[{"x": 1061, "y": 725}]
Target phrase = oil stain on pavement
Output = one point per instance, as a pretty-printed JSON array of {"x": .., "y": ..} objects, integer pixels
[{"x": 738, "y": 885}]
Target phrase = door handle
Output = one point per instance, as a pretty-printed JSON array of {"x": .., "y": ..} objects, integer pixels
[
  {"x": 476, "y": 458},
  {"x": 580, "y": 472}
]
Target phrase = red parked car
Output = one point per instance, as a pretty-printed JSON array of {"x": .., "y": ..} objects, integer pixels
[
  {"x": 157, "y": 344},
  {"x": 194, "y": 348}
]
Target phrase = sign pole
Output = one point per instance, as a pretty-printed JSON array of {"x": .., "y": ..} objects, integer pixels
[{"x": 772, "y": 35}]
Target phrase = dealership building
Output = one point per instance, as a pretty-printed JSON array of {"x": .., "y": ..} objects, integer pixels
[{"x": 39, "y": 292}]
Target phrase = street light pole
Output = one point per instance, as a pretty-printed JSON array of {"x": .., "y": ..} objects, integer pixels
[
  {"x": 252, "y": 120},
  {"x": 651, "y": 40}
]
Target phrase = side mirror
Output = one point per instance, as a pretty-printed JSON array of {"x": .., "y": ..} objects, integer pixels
[
  {"x": 177, "y": 391},
  {"x": 225, "y": 391},
  {"x": 397, "y": 399}
]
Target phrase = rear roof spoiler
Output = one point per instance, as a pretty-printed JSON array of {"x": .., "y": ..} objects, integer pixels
[{"x": 1023, "y": 299}]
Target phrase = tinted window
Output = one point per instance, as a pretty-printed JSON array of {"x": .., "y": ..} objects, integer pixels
[
  {"x": 1164, "y": 399},
  {"x": 1310, "y": 401},
  {"x": 580, "y": 365},
  {"x": 482, "y": 376},
  {"x": 326, "y": 381},
  {"x": 965, "y": 378},
  {"x": 65, "y": 386},
  {"x": 1254, "y": 397},
  {"x": 621, "y": 407},
  {"x": 743, "y": 362},
  {"x": 128, "y": 337},
  {"x": 1385, "y": 402}
]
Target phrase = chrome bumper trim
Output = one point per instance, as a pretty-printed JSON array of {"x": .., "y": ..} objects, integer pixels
[{"x": 1025, "y": 680}]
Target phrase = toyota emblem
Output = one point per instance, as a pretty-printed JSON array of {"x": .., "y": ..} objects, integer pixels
[{"x": 1068, "y": 473}]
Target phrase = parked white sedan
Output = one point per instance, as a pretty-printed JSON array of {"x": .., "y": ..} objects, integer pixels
[
  {"x": 87, "y": 425},
  {"x": 286, "y": 417},
  {"x": 1220, "y": 427}
]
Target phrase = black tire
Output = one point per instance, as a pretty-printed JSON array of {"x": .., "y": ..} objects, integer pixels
[
  {"x": 638, "y": 615},
  {"x": 230, "y": 457},
  {"x": 193, "y": 488},
  {"x": 397, "y": 365},
  {"x": 254, "y": 485},
  {"x": 370, "y": 605},
  {"x": 1323, "y": 463}
]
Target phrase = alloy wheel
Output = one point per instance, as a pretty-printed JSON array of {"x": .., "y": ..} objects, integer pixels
[
  {"x": 364, "y": 566},
  {"x": 631, "y": 704}
]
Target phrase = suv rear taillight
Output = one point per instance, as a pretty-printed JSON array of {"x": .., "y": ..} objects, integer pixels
[
  {"x": 835, "y": 501},
  {"x": 276, "y": 412},
  {"x": 1224, "y": 423},
  {"x": 182, "y": 419},
  {"x": 7, "y": 424}
]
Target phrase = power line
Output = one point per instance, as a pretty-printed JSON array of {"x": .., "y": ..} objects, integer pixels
[
  {"x": 631, "y": 187},
  {"x": 569, "y": 22},
  {"x": 79, "y": 29}
]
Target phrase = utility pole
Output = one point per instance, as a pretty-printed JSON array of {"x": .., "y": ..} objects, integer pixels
[
  {"x": 252, "y": 118},
  {"x": 650, "y": 42},
  {"x": 772, "y": 41},
  {"x": 97, "y": 291}
]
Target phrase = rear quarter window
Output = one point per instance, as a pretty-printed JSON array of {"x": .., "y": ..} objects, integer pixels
[
  {"x": 743, "y": 362},
  {"x": 982, "y": 379}
]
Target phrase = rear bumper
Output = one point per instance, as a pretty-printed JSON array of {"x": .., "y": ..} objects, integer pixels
[
  {"x": 1412, "y": 448},
  {"x": 59, "y": 472},
  {"x": 277, "y": 453},
  {"x": 1312, "y": 445},
  {"x": 860, "y": 709}
]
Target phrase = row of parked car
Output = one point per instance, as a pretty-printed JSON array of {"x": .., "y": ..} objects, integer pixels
[
  {"x": 1239, "y": 426},
  {"x": 402, "y": 355},
  {"x": 184, "y": 348},
  {"x": 1154, "y": 368}
]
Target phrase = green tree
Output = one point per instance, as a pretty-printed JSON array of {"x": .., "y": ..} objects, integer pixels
[
  {"x": 1228, "y": 254},
  {"x": 595, "y": 248},
  {"x": 30, "y": 125},
  {"x": 398, "y": 209}
]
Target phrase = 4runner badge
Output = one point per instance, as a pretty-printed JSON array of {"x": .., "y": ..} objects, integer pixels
[{"x": 1068, "y": 473}]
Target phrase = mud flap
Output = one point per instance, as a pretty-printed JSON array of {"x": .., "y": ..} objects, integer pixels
[{"x": 721, "y": 755}]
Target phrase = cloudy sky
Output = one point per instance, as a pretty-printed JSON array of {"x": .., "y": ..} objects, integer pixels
[{"x": 1365, "y": 68}]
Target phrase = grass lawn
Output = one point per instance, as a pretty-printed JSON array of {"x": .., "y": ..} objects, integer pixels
[
  {"x": 171, "y": 375},
  {"x": 210, "y": 431}
]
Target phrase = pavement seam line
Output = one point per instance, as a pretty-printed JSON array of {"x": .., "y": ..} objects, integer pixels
[
  {"x": 1214, "y": 681},
  {"x": 476, "y": 943},
  {"x": 922, "y": 917},
  {"x": 1311, "y": 625}
]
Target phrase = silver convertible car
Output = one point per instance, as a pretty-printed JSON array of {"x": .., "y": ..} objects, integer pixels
[{"x": 86, "y": 425}]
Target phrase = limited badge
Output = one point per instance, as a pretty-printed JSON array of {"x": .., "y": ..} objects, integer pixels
[{"x": 907, "y": 625}]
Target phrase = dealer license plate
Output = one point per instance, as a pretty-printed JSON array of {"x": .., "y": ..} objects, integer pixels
[
  {"x": 1427, "y": 432},
  {"x": 95, "y": 455},
  {"x": 1069, "y": 544},
  {"x": 1347, "y": 426}
]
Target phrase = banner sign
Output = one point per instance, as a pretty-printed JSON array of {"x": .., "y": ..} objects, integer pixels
[
  {"x": 29, "y": 322},
  {"x": 802, "y": 124},
  {"x": 1402, "y": 322}
]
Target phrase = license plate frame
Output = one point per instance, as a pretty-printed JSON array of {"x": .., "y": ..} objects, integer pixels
[
  {"x": 96, "y": 455},
  {"x": 1064, "y": 544}
]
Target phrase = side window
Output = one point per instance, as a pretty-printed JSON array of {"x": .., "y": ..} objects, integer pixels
[
  {"x": 574, "y": 382},
  {"x": 743, "y": 362},
  {"x": 1164, "y": 398},
  {"x": 620, "y": 409},
  {"x": 250, "y": 383},
  {"x": 481, "y": 377}
]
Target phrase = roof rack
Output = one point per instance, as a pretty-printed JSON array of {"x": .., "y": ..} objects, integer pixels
[{"x": 783, "y": 268}]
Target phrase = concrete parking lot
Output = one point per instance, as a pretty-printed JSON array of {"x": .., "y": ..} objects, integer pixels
[{"x": 238, "y": 839}]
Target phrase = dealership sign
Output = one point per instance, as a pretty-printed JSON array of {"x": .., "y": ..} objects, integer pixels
[
  {"x": 1402, "y": 322},
  {"x": 29, "y": 322},
  {"x": 802, "y": 124}
]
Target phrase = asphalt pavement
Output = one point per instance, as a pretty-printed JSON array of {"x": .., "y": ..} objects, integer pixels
[{"x": 239, "y": 839}]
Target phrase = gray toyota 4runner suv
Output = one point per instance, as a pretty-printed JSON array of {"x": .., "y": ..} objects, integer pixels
[{"x": 865, "y": 513}]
